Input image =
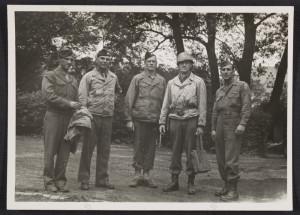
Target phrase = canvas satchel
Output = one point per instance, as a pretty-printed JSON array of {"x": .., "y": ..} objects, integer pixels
[{"x": 199, "y": 157}]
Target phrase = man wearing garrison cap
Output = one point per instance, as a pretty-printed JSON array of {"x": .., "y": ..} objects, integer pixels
[
  {"x": 143, "y": 103},
  {"x": 97, "y": 92},
  {"x": 230, "y": 115},
  {"x": 185, "y": 106},
  {"x": 59, "y": 88}
]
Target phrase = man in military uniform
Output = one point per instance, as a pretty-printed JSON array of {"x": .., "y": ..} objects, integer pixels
[
  {"x": 59, "y": 88},
  {"x": 143, "y": 103},
  {"x": 185, "y": 106},
  {"x": 97, "y": 93},
  {"x": 231, "y": 112}
]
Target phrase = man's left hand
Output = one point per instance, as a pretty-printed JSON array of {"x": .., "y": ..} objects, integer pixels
[
  {"x": 199, "y": 131},
  {"x": 240, "y": 129}
]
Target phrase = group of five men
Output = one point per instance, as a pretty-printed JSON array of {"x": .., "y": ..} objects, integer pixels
[{"x": 151, "y": 106}]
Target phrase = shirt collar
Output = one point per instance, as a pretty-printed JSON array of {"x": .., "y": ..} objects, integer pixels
[{"x": 189, "y": 79}]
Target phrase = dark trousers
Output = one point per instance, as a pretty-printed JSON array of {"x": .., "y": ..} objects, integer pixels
[
  {"x": 183, "y": 137},
  {"x": 99, "y": 135},
  {"x": 145, "y": 135},
  {"x": 228, "y": 146},
  {"x": 55, "y": 127}
]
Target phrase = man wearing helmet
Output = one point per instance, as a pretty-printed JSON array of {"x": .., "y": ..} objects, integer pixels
[{"x": 185, "y": 106}]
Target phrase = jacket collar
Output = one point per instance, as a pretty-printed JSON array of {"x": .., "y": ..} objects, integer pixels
[
  {"x": 61, "y": 74},
  {"x": 150, "y": 79},
  {"x": 187, "y": 81},
  {"x": 99, "y": 75}
]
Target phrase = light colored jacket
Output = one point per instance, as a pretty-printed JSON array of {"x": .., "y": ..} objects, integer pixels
[
  {"x": 185, "y": 100},
  {"x": 144, "y": 97},
  {"x": 97, "y": 93}
]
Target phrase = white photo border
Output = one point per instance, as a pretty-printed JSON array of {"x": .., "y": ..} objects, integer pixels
[{"x": 282, "y": 205}]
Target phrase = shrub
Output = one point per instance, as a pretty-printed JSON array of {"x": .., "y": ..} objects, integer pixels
[
  {"x": 257, "y": 130},
  {"x": 30, "y": 111}
]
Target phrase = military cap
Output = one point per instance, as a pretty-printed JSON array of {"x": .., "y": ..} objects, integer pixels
[{"x": 184, "y": 56}]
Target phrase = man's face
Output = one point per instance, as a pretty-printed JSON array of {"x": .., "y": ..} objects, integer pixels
[
  {"x": 66, "y": 62},
  {"x": 227, "y": 72},
  {"x": 151, "y": 63},
  {"x": 103, "y": 61},
  {"x": 185, "y": 66}
]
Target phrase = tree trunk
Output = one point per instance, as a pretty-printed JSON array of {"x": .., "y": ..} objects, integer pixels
[
  {"x": 175, "y": 24},
  {"x": 245, "y": 64},
  {"x": 279, "y": 81},
  {"x": 210, "y": 48}
]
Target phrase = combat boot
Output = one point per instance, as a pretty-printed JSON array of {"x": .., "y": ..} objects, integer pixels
[
  {"x": 191, "y": 184},
  {"x": 149, "y": 182},
  {"x": 223, "y": 191},
  {"x": 232, "y": 194},
  {"x": 137, "y": 180},
  {"x": 173, "y": 186}
]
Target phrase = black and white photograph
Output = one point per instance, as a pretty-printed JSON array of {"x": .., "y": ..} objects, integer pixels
[{"x": 150, "y": 107}]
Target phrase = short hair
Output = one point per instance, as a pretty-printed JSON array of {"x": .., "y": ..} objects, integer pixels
[
  {"x": 226, "y": 63},
  {"x": 148, "y": 55}
]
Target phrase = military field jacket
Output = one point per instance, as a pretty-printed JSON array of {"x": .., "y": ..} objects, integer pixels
[
  {"x": 234, "y": 101},
  {"x": 97, "y": 93},
  {"x": 185, "y": 100},
  {"x": 58, "y": 91},
  {"x": 144, "y": 97}
]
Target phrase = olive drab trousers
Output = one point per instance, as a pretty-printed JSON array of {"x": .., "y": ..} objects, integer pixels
[
  {"x": 145, "y": 136},
  {"x": 183, "y": 138},
  {"x": 100, "y": 136},
  {"x": 55, "y": 127},
  {"x": 228, "y": 145}
]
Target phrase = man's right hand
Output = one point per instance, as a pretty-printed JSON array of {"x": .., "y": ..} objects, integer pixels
[
  {"x": 213, "y": 135},
  {"x": 162, "y": 129},
  {"x": 130, "y": 125},
  {"x": 75, "y": 105}
]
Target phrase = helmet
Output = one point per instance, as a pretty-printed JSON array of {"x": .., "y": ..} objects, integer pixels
[{"x": 184, "y": 56}]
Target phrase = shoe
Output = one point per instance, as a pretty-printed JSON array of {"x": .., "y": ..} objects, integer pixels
[
  {"x": 63, "y": 189},
  {"x": 191, "y": 184},
  {"x": 136, "y": 181},
  {"x": 150, "y": 183},
  {"x": 223, "y": 191},
  {"x": 173, "y": 186},
  {"x": 84, "y": 186},
  {"x": 106, "y": 185},
  {"x": 51, "y": 188},
  {"x": 232, "y": 194}
]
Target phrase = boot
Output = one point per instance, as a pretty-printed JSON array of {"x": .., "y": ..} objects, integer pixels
[
  {"x": 137, "y": 180},
  {"x": 232, "y": 194},
  {"x": 191, "y": 184},
  {"x": 223, "y": 191},
  {"x": 173, "y": 186},
  {"x": 51, "y": 188},
  {"x": 148, "y": 181}
]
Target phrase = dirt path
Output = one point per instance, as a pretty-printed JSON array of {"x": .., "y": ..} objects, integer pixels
[{"x": 262, "y": 179}]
